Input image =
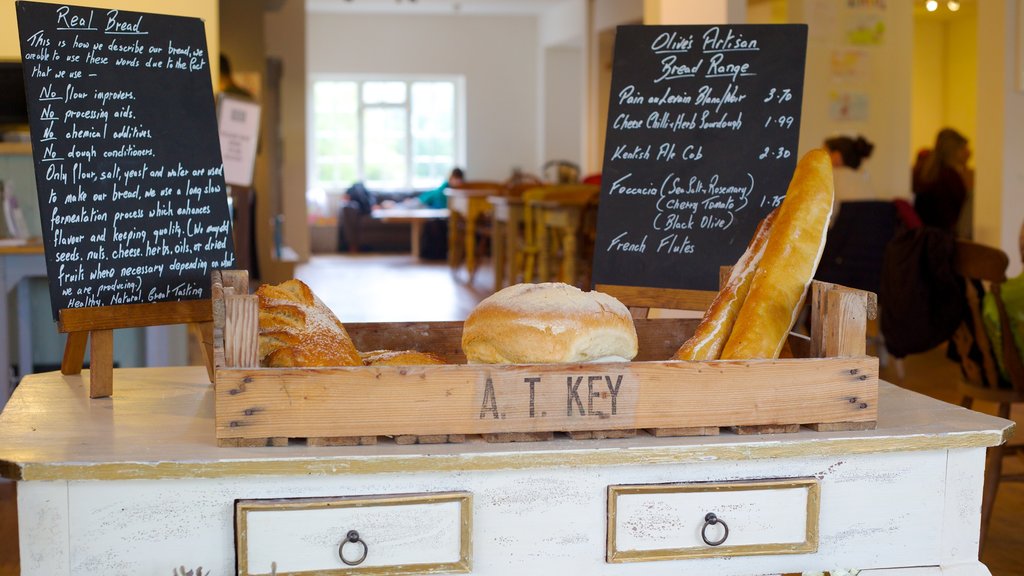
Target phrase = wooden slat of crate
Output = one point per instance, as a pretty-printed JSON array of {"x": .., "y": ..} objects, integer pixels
[
  {"x": 658, "y": 339},
  {"x": 454, "y": 399}
]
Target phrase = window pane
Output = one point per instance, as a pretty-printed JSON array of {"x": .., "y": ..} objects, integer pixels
[
  {"x": 384, "y": 93},
  {"x": 433, "y": 132},
  {"x": 335, "y": 134},
  {"x": 384, "y": 165}
]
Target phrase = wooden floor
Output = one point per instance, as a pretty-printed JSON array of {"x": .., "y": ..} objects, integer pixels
[{"x": 374, "y": 288}]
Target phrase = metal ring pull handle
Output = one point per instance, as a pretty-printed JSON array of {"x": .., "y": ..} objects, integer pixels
[
  {"x": 353, "y": 537},
  {"x": 710, "y": 520}
]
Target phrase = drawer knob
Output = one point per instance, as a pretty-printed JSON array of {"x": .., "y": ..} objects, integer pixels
[
  {"x": 353, "y": 538},
  {"x": 710, "y": 520}
]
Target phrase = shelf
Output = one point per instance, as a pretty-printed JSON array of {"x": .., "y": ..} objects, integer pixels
[{"x": 24, "y": 148}]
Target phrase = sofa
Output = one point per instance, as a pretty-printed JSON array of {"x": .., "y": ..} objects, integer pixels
[{"x": 359, "y": 231}]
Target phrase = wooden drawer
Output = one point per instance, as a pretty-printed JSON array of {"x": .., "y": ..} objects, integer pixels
[
  {"x": 666, "y": 521},
  {"x": 400, "y": 534}
]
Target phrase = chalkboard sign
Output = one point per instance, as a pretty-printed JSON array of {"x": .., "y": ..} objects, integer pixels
[
  {"x": 128, "y": 165},
  {"x": 703, "y": 127}
]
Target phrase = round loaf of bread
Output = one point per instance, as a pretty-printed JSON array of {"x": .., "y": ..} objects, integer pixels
[{"x": 548, "y": 323}]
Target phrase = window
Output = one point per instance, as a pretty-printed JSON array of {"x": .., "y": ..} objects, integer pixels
[{"x": 392, "y": 134}]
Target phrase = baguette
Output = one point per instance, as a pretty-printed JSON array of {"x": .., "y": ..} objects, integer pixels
[
  {"x": 711, "y": 334},
  {"x": 790, "y": 259}
]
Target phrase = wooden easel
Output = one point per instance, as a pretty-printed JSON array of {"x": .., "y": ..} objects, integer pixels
[{"x": 96, "y": 325}]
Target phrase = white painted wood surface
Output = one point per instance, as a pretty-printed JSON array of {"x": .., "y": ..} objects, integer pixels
[
  {"x": 395, "y": 535},
  {"x": 754, "y": 517},
  {"x": 136, "y": 485}
]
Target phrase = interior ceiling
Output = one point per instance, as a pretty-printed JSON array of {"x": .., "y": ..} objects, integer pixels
[{"x": 490, "y": 7}]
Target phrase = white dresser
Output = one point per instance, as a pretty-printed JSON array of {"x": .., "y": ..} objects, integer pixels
[{"x": 135, "y": 484}]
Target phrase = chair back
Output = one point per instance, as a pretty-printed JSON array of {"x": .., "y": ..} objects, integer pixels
[
  {"x": 519, "y": 183},
  {"x": 575, "y": 194},
  {"x": 984, "y": 268},
  {"x": 495, "y": 188}
]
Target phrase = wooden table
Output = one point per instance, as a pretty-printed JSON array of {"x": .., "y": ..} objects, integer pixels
[
  {"x": 415, "y": 217},
  {"x": 135, "y": 484},
  {"x": 508, "y": 249},
  {"x": 562, "y": 218},
  {"x": 466, "y": 206},
  {"x": 18, "y": 262}
]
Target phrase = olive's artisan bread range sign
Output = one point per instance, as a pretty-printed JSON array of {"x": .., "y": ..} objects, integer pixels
[
  {"x": 703, "y": 128},
  {"x": 128, "y": 164}
]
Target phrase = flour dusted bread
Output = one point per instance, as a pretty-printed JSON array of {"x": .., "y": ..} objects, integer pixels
[
  {"x": 790, "y": 259},
  {"x": 400, "y": 358},
  {"x": 298, "y": 330},
  {"x": 710, "y": 336},
  {"x": 546, "y": 323}
]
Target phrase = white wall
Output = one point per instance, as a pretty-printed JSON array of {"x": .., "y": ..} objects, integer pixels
[
  {"x": 497, "y": 56},
  {"x": 284, "y": 32},
  {"x": 611, "y": 13},
  {"x": 564, "y": 24},
  {"x": 928, "y": 81},
  {"x": 563, "y": 104},
  {"x": 999, "y": 203},
  {"x": 884, "y": 79}
]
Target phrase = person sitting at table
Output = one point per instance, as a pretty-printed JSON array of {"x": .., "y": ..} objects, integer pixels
[
  {"x": 436, "y": 198},
  {"x": 851, "y": 183}
]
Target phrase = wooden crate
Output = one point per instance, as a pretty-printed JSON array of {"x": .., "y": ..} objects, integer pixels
[{"x": 830, "y": 385}]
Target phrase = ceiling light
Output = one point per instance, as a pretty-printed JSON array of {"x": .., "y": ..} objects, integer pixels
[
  {"x": 953, "y": 5},
  {"x": 931, "y": 5}
]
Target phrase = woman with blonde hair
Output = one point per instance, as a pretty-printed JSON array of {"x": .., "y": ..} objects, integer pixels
[{"x": 941, "y": 181}]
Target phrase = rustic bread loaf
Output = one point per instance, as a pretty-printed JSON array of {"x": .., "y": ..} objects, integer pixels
[
  {"x": 549, "y": 322},
  {"x": 399, "y": 358},
  {"x": 298, "y": 330},
  {"x": 790, "y": 259},
  {"x": 711, "y": 334}
]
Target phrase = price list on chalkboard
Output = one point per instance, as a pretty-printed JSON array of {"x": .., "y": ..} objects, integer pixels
[
  {"x": 128, "y": 165},
  {"x": 702, "y": 135}
]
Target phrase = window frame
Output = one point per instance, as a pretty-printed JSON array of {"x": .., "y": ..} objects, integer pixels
[{"x": 459, "y": 120}]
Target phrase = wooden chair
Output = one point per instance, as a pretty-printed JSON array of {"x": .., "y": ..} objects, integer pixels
[
  {"x": 468, "y": 213},
  {"x": 566, "y": 203},
  {"x": 981, "y": 378}
]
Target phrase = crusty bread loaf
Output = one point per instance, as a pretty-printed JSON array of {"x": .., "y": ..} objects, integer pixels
[
  {"x": 710, "y": 336},
  {"x": 399, "y": 358},
  {"x": 297, "y": 329},
  {"x": 790, "y": 259},
  {"x": 549, "y": 322}
]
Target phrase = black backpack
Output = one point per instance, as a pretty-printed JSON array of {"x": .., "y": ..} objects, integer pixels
[{"x": 922, "y": 300}]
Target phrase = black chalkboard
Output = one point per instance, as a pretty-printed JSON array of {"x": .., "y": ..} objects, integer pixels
[
  {"x": 703, "y": 127},
  {"x": 128, "y": 165}
]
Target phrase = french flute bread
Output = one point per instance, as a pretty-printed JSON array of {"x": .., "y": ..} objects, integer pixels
[
  {"x": 790, "y": 259},
  {"x": 710, "y": 336},
  {"x": 298, "y": 330}
]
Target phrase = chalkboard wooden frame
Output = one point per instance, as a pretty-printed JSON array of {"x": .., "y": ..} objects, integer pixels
[
  {"x": 96, "y": 325},
  {"x": 100, "y": 79},
  {"x": 703, "y": 128}
]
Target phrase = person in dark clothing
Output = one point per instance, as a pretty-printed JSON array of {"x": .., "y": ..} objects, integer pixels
[{"x": 940, "y": 181}]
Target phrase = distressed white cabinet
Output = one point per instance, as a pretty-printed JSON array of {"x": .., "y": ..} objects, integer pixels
[{"x": 135, "y": 484}]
